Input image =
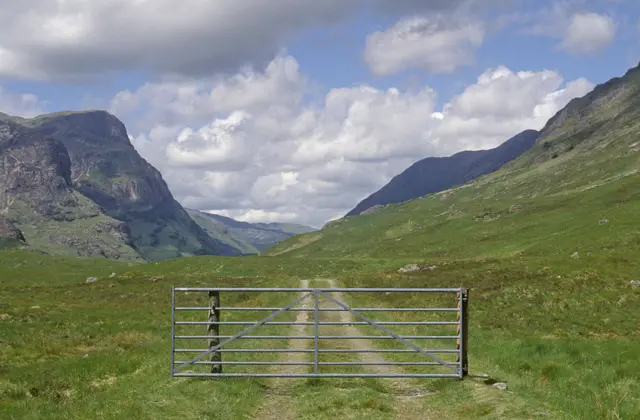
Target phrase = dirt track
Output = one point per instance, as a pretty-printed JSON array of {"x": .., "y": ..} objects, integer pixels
[
  {"x": 277, "y": 405},
  {"x": 407, "y": 392},
  {"x": 280, "y": 403}
]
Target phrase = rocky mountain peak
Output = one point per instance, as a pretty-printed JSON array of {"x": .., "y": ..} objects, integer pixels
[{"x": 80, "y": 169}]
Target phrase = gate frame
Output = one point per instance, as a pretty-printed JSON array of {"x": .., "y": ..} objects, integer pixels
[{"x": 215, "y": 345}]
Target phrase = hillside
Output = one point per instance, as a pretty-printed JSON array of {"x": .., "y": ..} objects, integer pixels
[
  {"x": 436, "y": 174},
  {"x": 73, "y": 183},
  {"x": 547, "y": 245},
  {"x": 248, "y": 238},
  {"x": 582, "y": 169}
]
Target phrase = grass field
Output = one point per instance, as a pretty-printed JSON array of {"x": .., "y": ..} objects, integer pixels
[
  {"x": 562, "y": 329},
  {"x": 568, "y": 347},
  {"x": 548, "y": 247}
]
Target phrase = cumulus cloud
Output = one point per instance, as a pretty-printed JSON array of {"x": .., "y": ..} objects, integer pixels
[
  {"x": 588, "y": 33},
  {"x": 503, "y": 103},
  {"x": 222, "y": 144},
  {"x": 438, "y": 44},
  {"x": 79, "y": 39},
  {"x": 193, "y": 101},
  {"x": 579, "y": 32},
  {"x": 263, "y": 151},
  {"x": 20, "y": 104},
  {"x": 44, "y": 39}
]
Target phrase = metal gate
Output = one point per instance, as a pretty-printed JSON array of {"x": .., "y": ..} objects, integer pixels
[{"x": 432, "y": 356}]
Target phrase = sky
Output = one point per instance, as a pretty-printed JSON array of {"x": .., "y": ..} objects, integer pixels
[{"x": 295, "y": 110}]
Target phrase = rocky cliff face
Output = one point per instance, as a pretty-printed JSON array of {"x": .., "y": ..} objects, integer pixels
[{"x": 77, "y": 175}]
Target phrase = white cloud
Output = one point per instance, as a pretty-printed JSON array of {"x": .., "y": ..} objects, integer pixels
[
  {"x": 188, "y": 100},
  {"x": 20, "y": 104},
  {"x": 222, "y": 143},
  {"x": 579, "y": 32},
  {"x": 503, "y": 103},
  {"x": 263, "y": 154},
  {"x": 504, "y": 94},
  {"x": 439, "y": 45},
  {"x": 588, "y": 33},
  {"x": 45, "y": 39},
  {"x": 80, "y": 39}
]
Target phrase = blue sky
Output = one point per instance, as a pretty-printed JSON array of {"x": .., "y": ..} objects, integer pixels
[
  {"x": 317, "y": 50},
  {"x": 312, "y": 126},
  {"x": 512, "y": 47}
]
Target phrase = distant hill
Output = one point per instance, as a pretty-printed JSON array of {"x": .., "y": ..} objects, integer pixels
[
  {"x": 72, "y": 183},
  {"x": 436, "y": 174},
  {"x": 247, "y": 238},
  {"x": 573, "y": 194}
]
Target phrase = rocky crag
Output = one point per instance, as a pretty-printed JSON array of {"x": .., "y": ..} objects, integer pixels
[{"x": 73, "y": 183}]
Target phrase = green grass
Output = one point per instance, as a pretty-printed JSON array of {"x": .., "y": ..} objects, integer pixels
[
  {"x": 78, "y": 228},
  {"x": 567, "y": 347},
  {"x": 52, "y": 319},
  {"x": 561, "y": 331},
  {"x": 552, "y": 310},
  {"x": 559, "y": 345}
]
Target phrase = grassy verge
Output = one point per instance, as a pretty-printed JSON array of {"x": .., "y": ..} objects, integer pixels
[
  {"x": 570, "y": 352},
  {"x": 101, "y": 350},
  {"x": 563, "y": 336}
]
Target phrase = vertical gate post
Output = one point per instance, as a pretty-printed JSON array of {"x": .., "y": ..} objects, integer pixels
[
  {"x": 173, "y": 329},
  {"x": 214, "y": 329},
  {"x": 316, "y": 338},
  {"x": 463, "y": 331}
]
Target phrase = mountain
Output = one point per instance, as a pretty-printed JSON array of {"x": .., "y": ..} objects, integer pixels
[
  {"x": 436, "y": 174},
  {"x": 247, "y": 238},
  {"x": 72, "y": 182},
  {"x": 576, "y": 190}
]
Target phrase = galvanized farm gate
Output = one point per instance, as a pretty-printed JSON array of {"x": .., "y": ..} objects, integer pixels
[{"x": 217, "y": 343}]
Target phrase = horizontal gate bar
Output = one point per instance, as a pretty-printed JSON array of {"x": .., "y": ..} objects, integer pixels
[
  {"x": 319, "y": 350},
  {"x": 177, "y": 362},
  {"x": 386, "y": 331},
  {"x": 312, "y": 323},
  {"x": 322, "y": 337},
  {"x": 247, "y": 308},
  {"x": 241, "y": 333},
  {"x": 307, "y": 289},
  {"x": 325, "y": 375}
]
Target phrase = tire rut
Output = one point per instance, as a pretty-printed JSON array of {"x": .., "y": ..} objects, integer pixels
[
  {"x": 277, "y": 405},
  {"x": 279, "y": 401},
  {"x": 407, "y": 392}
]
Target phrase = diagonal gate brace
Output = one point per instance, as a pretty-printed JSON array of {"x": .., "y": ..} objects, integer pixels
[
  {"x": 386, "y": 331},
  {"x": 244, "y": 332}
]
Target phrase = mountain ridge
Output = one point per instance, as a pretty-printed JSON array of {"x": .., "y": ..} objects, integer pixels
[
  {"x": 559, "y": 194},
  {"x": 434, "y": 174},
  {"x": 250, "y": 238}
]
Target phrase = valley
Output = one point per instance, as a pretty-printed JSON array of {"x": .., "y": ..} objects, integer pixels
[{"x": 548, "y": 246}]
